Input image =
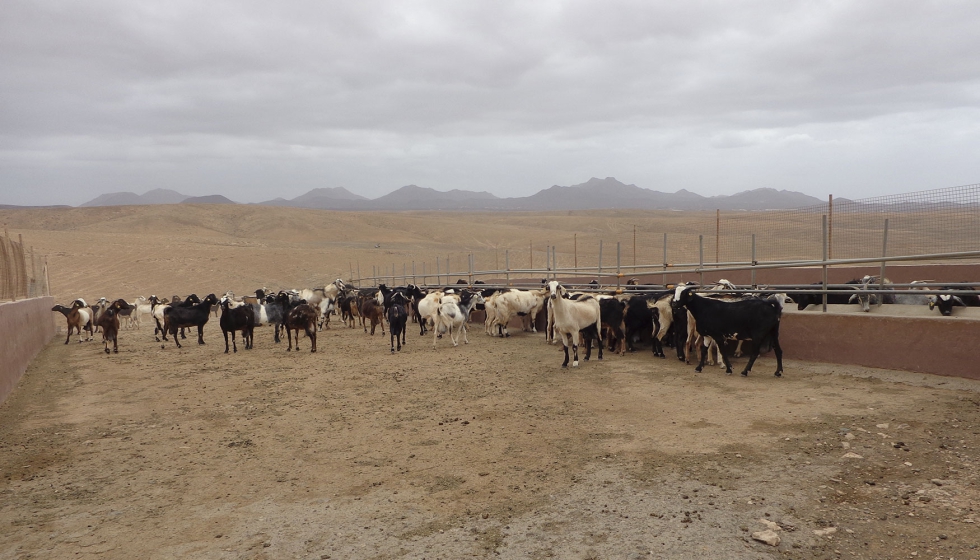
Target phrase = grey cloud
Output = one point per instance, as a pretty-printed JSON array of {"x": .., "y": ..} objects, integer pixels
[{"x": 229, "y": 97}]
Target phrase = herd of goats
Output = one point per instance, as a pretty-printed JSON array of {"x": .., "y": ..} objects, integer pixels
[{"x": 694, "y": 320}]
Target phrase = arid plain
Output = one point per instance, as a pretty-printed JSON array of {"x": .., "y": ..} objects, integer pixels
[{"x": 485, "y": 450}]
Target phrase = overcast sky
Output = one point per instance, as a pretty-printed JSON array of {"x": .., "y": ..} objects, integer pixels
[{"x": 256, "y": 100}]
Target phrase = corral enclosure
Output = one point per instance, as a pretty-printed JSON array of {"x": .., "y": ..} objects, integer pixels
[{"x": 484, "y": 450}]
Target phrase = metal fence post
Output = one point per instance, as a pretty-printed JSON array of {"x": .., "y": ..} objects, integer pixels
[
  {"x": 547, "y": 260},
  {"x": 701, "y": 257},
  {"x": 599, "y": 275},
  {"x": 507, "y": 264},
  {"x": 825, "y": 245},
  {"x": 665, "y": 259},
  {"x": 884, "y": 254},
  {"x": 554, "y": 262},
  {"x": 754, "y": 262},
  {"x": 619, "y": 267}
]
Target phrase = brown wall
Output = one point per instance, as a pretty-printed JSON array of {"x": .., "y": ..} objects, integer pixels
[
  {"x": 937, "y": 345},
  {"x": 25, "y": 327}
]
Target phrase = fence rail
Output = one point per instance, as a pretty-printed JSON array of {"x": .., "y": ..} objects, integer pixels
[{"x": 23, "y": 274}]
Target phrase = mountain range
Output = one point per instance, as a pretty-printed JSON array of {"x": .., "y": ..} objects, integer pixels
[{"x": 594, "y": 194}]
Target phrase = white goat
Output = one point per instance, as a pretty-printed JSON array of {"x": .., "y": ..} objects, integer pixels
[
  {"x": 516, "y": 302},
  {"x": 428, "y": 306},
  {"x": 449, "y": 318},
  {"x": 573, "y": 316}
]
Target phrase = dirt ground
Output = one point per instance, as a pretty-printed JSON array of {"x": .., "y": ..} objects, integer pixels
[{"x": 485, "y": 450}]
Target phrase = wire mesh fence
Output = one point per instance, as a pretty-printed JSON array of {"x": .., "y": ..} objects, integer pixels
[
  {"x": 23, "y": 274},
  {"x": 934, "y": 222}
]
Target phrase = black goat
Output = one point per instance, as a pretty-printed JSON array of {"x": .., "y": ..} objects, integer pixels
[
  {"x": 233, "y": 319},
  {"x": 753, "y": 319},
  {"x": 612, "y": 312},
  {"x": 843, "y": 297},
  {"x": 194, "y": 316},
  {"x": 638, "y": 321},
  {"x": 397, "y": 320}
]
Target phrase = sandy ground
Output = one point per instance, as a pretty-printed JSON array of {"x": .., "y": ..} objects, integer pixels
[{"x": 485, "y": 450}]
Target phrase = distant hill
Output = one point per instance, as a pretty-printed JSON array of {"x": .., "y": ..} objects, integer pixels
[
  {"x": 595, "y": 193},
  {"x": 412, "y": 197},
  {"x": 18, "y": 207},
  {"x": 156, "y": 196},
  {"x": 336, "y": 198},
  {"x": 764, "y": 199},
  {"x": 609, "y": 193},
  {"x": 210, "y": 199}
]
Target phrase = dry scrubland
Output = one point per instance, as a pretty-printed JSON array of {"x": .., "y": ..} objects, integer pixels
[{"x": 484, "y": 450}]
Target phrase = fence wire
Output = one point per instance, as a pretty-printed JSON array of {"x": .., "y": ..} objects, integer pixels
[
  {"x": 920, "y": 223},
  {"x": 23, "y": 274},
  {"x": 939, "y": 220}
]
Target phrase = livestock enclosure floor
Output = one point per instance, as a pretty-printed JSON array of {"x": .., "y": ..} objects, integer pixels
[{"x": 482, "y": 451}]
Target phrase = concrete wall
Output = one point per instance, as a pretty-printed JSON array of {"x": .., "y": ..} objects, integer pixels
[
  {"x": 937, "y": 345},
  {"x": 25, "y": 327}
]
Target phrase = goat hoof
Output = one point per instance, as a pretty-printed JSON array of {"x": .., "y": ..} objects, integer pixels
[
  {"x": 779, "y": 374},
  {"x": 697, "y": 369},
  {"x": 106, "y": 350},
  {"x": 114, "y": 351},
  {"x": 745, "y": 373}
]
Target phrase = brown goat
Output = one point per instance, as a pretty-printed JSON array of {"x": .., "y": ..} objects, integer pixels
[
  {"x": 303, "y": 316},
  {"x": 109, "y": 321},
  {"x": 374, "y": 312}
]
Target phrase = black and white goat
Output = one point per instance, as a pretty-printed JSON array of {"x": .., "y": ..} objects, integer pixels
[
  {"x": 752, "y": 319},
  {"x": 397, "y": 315},
  {"x": 946, "y": 302}
]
